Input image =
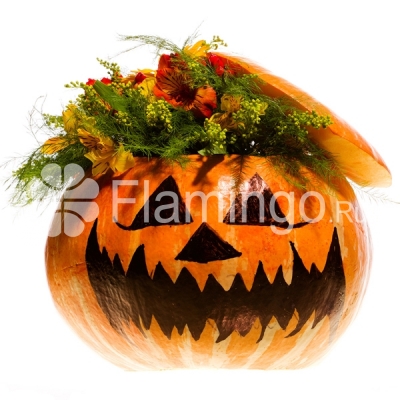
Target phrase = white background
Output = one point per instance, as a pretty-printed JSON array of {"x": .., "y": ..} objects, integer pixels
[{"x": 344, "y": 53}]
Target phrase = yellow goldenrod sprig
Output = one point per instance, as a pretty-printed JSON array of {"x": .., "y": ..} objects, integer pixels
[
  {"x": 216, "y": 42},
  {"x": 214, "y": 133},
  {"x": 158, "y": 113},
  {"x": 248, "y": 116},
  {"x": 123, "y": 118},
  {"x": 310, "y": 119},
  {"x": 302, "y": 120},
  {"x": 113, "y": 68}
]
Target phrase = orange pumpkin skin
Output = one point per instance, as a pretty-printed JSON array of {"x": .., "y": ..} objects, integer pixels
[{"x": 93, "y": 305}]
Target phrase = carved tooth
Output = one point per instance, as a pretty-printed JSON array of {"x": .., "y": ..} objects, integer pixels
[{"x": 138, "y": 296}]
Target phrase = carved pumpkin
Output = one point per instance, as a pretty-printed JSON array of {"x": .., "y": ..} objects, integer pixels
[
  {"x": 237, "y": 279},
  {"x": 223, "y": 285}
]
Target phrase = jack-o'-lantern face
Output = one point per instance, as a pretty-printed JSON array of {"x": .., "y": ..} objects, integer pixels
[{"x": 178, "y": 257}]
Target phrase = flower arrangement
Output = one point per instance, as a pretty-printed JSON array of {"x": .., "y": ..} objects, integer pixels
[{"x": 194, "y": 102}]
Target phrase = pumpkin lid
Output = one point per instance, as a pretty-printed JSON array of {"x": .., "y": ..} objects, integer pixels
[{"x": 359, "y": 161}]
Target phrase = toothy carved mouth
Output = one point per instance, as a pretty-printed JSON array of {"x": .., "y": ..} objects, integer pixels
[{"x": 136, "y": 296}]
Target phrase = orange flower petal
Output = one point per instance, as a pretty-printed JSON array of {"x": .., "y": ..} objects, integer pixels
[
  {"x": 172, "y": 83},
  {"x": 164, "y": 62},
  {"x": 205, "y": 101}
]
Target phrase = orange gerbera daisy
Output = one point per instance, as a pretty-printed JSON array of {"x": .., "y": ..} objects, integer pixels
[{"x": 174, "y": 85}]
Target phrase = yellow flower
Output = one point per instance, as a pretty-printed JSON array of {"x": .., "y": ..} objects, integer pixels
[
  {"x": 146, "y": 88},
  {"x": 122, "y": 160},
  {"x": 135, "y": 77},
  {"x": 148, "y": 72},
  {"x": 230, "y": 103},
  {"x": 58, "y": 143},
  {"x": 225, "y": 120},
  {"x": 104, "y": 154},
  {"x": 55, "y": 144},
  {"x": 94, "y": 140},
  {"x": 199, "y": 49},
  {"x": 72, "y": 120}
]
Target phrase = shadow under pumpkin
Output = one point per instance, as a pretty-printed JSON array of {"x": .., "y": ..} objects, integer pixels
[{"x": 136, "y": 296}]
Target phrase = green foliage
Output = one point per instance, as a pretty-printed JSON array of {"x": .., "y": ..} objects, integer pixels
[
  {"x": 110, "y": 96},
  {"x": 29, "y": 185},
  {"x": 244, "y": 122}
]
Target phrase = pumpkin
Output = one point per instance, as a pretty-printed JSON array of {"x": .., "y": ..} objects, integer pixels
[
  {"x": 184, "y": 267},
  {"x": 232, "y": 279}
]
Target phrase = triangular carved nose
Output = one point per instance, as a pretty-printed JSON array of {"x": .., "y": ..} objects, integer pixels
[{"x": 206, "y": 245}]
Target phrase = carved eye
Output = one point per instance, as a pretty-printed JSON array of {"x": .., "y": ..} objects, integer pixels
[
  {"x": 253, "y": 206},
  {"x": 165, "y": 206}
]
